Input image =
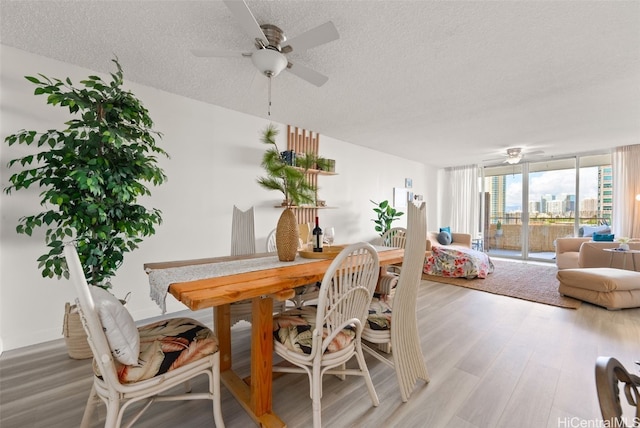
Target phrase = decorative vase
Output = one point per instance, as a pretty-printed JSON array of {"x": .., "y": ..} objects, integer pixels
[
  {"x": 624, "y": 246},
  {"x": 287, "y": 236}
]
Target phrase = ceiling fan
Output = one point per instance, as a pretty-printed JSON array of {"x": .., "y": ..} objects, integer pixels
[
  {"x": 271, "y": 50},
  {"x": 514, "y": 155}
]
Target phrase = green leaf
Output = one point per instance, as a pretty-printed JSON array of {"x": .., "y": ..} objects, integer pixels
[
  {"x": 77, "y": 170},
  {"x": 32, "y": 79}
]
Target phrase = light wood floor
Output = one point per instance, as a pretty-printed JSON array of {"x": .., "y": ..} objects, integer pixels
[{"x": 494, "y": 361}]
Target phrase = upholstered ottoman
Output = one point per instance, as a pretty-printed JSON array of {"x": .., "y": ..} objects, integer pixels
[{"x": 611, "y": 288}]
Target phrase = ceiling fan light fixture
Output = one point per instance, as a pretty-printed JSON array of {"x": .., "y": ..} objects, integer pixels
[
  {"x": 270, "y": 62},
  {"x": 512, "y": 160}
]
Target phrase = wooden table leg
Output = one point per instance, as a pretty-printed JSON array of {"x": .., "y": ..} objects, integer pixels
[
  {"x": 256, "y": 397},
  {"x": 222, "y": 329},
  {"x": 261, "y": 354}
]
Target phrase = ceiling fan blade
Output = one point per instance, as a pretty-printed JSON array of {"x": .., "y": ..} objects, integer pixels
[
  {"x": 257, "y": 91},
  {"x": 219, "y": 53},
  {"x": 534, "y": 153},
  {"x": 317, "y": 36},
  {"x": 246, "y": 19},
  {"x": 307, "y": 74}
]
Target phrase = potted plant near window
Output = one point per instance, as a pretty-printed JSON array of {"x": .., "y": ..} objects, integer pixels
[
  {"x": 291, "y": 181},
  {"x": 91, "y": 175}
]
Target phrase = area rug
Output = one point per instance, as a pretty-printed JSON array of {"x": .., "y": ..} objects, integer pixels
[{"x": 527, "y": 281}]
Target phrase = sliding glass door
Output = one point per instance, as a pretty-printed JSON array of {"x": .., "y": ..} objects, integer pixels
[
  {"x": 503, "y": 216},
  {"x": 531, "y": 204},
  {"x": 551, "y": 204}
]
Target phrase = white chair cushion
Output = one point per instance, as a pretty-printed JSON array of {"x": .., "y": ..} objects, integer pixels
[{"x": 119, "y": 327}]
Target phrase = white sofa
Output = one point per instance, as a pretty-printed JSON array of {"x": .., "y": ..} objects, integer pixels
[
  {"x": 572, "y": 253},
  {"x": 457, "y": 239}
]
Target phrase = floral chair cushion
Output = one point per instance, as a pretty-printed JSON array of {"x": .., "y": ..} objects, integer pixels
[
  {"x": 304, "y": 294},
  {"x": 294, "y": 329},
  {"x": 380, "y": 313},
  {"x": 458, "y": 262},
  {"x": 165, "y": 346}
]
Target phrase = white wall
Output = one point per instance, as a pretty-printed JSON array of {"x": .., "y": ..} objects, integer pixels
[{"x": 215, "y": 160}]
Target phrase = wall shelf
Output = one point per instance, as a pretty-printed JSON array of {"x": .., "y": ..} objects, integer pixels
[
  {"x": 303, "y": 141},
  {"x": 306, "y": 207},
  {"x": 316, "y": 171}
]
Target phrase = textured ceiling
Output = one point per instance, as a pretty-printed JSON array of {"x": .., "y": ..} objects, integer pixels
[{"x": 442, "y": 82}]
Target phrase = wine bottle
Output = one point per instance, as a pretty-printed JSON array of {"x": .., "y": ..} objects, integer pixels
[{"x": 317, "y": 238}]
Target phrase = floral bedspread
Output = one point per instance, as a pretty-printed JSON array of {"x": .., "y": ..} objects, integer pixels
[{"x": 458, "y": 263}]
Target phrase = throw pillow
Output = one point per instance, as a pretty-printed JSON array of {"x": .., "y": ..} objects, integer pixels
[
  {"x": 119, "y": 327},
  {"x": 587, "y": 231},
  {"x": 446, "y": 229},
  {"x": 603, "y": 237},
  {"x": 444, "y": 238}
]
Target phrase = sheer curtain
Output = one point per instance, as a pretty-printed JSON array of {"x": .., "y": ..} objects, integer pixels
[
  {"x": 626, "y": 185},
  {"x": 459, "y": 202}
]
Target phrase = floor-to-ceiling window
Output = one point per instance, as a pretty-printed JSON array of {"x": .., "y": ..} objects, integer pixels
[
  {"x": 552, "y": 205},
  {"x": 529, "y": 205},
  {"x": 503, "y": 195}
]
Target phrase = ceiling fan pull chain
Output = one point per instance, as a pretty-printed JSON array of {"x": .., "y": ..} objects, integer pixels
[{"x": 269, "y": 107}]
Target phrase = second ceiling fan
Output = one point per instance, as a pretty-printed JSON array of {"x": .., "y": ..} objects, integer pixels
[
  {"x": 272, "y": 45},
  {"x": 514, "y": 155}
]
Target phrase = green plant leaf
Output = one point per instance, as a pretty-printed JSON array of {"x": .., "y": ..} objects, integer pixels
[
  {"x": 386, "y": 215},
  {"x": 92, "y": 171}
]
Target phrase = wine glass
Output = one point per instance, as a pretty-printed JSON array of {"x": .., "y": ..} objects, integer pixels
[{"x": 329, "y": 235}]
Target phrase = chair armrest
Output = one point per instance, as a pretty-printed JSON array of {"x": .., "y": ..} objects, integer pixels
[
  {"x": 432, "y": 239},
  {"x": 461, "y": 239},
  {"x": 564, "y": 245}
]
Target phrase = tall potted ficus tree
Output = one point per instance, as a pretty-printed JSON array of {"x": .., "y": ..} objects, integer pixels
[
  {"x": 291, "y": 181},
  {"x": 91, "y": 175}
]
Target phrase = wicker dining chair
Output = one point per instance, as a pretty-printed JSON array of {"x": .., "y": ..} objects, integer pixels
[
  {"x": 271, "y": 242},
  {"x": 304, "y": 293},
  {"x": 394, "y": 237},
  {"x": 319, "y": 340},
  {"x": 609, "y": 374},
  {"x": 243, "y": 242},
  {"x": 392, "y": 323},
  {"x": 133, "y": 364}
]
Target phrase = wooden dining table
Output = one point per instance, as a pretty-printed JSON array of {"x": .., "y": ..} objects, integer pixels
[{"x": 220, "y": 281}]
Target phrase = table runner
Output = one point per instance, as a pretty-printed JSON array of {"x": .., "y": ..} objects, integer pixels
[{"x": 161, "y": 279}]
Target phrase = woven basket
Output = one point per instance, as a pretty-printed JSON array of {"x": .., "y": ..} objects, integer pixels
[
  {"x": 74, "y": 334},
  {"x": 287, "y": 236}
]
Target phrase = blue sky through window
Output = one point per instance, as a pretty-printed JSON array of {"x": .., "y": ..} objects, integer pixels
[{"x": 555, "y": 183}]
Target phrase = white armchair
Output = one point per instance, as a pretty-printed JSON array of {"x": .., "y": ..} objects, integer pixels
[{"x": 457, "y": 239}]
